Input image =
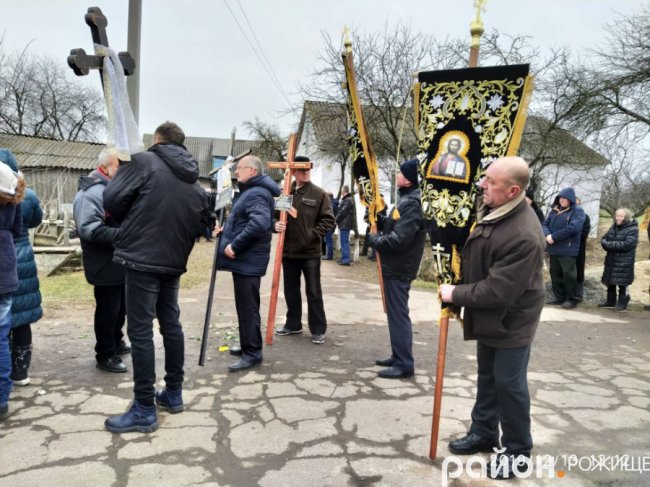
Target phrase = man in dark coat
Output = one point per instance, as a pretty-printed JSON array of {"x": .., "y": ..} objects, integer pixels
[
  {"x": 581, "y": 258},
  {"x": 401, "y": 247},
  {"x": 244, "y": 250},
  {"x": 161, "y": 208},
  {"x": 302, "y": 254},
  {"x": 97, "y": 232},
  {"x": 329, "y": 235},
  {"x": 346, "y": 219},
  {"x": 503, "y": 295},
  {"x": 563, "y": 230}
]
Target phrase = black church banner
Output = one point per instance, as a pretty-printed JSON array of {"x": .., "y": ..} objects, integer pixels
[
  {"x": 362, "y": 157},
  {"x": 467, "y": 118}
]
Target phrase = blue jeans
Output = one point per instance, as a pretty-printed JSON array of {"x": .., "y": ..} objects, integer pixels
[
  {"x": 5, "y": 354},
  {"x": 345, "y": 245},
  {"x": 148, "y": 296},
  {"x": 329, "y": 244}
]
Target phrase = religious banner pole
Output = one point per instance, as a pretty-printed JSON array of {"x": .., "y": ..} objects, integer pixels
[
  {"x": 476, "y": 30},
  {"x": 363, "y": 159},
  {"x": 283, "y": 204}
]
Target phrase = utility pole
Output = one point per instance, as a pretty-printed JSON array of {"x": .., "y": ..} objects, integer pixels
[{"x": 133, "y": 46}]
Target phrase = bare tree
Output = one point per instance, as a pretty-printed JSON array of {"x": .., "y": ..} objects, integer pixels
[{"x": 39, "y": 97}]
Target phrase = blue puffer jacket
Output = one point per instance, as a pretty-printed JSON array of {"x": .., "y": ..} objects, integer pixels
[
  {"x": 10, "y": 228},
  {"x": 249, "y": 228},
  {"x": 564, "y": 225},
  {"x": 26, "y": 304}
]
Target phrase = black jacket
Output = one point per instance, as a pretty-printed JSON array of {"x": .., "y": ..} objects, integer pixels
[
  {"x": 161, "y": 207},
  {"x": 346, "y": 217},
  {"x": 620, "y": 243},
  {"x": 97, "y": 232},
  {"x": 249, "y": 228},
  {"x": 401, "y": 244}
]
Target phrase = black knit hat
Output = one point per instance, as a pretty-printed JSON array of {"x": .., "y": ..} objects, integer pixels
[{"x": 410, "y": 170}]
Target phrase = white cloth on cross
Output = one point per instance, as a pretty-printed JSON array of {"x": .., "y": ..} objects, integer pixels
[{"x": 123, "y": 133}]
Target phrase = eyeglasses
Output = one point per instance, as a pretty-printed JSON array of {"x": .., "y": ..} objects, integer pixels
[{"x": 244, "y": 167}]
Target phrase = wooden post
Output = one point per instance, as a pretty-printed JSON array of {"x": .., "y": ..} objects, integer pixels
[
  {"x": 476, "y": 30},
  {"x": 289, "y": 166}
]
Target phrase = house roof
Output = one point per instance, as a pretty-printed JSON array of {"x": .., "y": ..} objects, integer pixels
[
  {"x": 38, "y": 152},
  {"x": 330, "y": 124},
  {"x": 559, "y": 146}
]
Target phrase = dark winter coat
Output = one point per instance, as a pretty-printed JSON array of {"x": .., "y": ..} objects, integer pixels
[
  {"x": 565, "y": 225},
  {"x": 26, "y": 300},
  {"x": 97, "y": 232},
  {"x": 161, "y": 208},
  {"x": 11, "y": 225},
  {"x": 249, "y": 228},
  {"x": 305, "y": 233},
  {"x": 346, "y": 218},
  {"x": 401, "y": 243},
  {"x": 620, "y": 242},
  {"x": 503, "y": 285}
]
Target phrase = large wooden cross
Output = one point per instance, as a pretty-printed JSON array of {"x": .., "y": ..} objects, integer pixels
[
  {"x": 289, "y": 167},
  {"x": 81, "y": 63}
]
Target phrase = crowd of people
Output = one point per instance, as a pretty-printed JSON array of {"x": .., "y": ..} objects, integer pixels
[{"x": 121, "y": 206}]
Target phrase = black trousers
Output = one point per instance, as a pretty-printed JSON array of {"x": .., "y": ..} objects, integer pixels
[
  {"x": 399, "y": 323},
  {"x": 611, "y": 293},
  {"x": 503, "y": 397},
  {"x": 292, "y": 269},
  {"x": 247, "y": 301},
  {"x": 150, "y": 295},
  {"x": 110, "y": 314},
  {"x": 564, "y": 277}
]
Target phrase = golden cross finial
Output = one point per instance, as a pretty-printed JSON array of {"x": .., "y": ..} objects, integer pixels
[
  {"x": 346, "y": 39},
  {"x": 476, "y": 26}
]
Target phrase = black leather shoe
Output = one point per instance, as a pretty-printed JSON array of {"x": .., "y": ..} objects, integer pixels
[
  {"x": 123, "y": 348},
  {"x": 569, "y": 304},
  {"x": 286, "y": 331},
  {"x": 394, "y": 373},
  {"x": 555, "y": 301},
  {"x": 385, "y": 362},
  {"x": 470, "y": 444},
  {"x": 242, "y": 364},
  {"x": 113, "y": 364},
  {"x": 235, "y": 351}
]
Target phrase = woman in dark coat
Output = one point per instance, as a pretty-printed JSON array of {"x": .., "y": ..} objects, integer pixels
[
  {"x": 26, "y": 303},
  {"x": 620, "y": 242}
]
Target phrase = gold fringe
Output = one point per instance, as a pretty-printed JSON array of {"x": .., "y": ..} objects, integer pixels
[
  {"x": 520, "y": 120},
  {"x": 416, "y": 105}
]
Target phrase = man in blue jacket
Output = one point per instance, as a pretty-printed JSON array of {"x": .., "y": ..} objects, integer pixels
[
  {"x": 244, "y": 250},
  {"x": 563, "y": 228},
  {"x": 161, "y": 208}
]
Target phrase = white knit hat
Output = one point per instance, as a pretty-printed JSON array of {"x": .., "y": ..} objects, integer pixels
[{"x": 8, "y": 179}]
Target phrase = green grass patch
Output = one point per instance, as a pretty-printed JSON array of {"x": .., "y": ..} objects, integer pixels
[{"x": 66, "y": 289}]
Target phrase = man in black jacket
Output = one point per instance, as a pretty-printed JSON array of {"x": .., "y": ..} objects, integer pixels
[
  {"x": 244, "y": 250},
  {"x": 401, "y": 247},
  {"x": 97, "y": 231},
  {"x": 161, "y": 207},
  {"x": 346, "y": 219}
]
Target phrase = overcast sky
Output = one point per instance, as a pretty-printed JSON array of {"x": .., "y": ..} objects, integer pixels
[{"x": 198, "y": 70}]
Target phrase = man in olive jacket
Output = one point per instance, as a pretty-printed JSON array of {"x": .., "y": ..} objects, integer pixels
[
  {"x": 302, "y": 254},
  {"x": 401, "y": 246},
  {"x": 503, "y": 296}
]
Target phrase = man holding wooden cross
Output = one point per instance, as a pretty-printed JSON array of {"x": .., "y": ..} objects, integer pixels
[{"x": 302, "y": 254}]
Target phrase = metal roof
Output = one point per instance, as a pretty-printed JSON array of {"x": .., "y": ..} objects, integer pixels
[{"x": 37, "y": 152}]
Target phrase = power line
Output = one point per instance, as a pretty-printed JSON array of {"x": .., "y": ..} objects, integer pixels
[
  {"x": 268, "y": 72},
  {"x": 259, "y": 45}
]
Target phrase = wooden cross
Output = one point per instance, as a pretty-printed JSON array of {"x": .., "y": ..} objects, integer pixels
[
  {"x": 81, "y": 63},
  {"x": 289, "y": 167}
]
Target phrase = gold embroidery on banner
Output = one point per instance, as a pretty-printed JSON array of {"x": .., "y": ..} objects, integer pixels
[{"x": 489, "y": 106}]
